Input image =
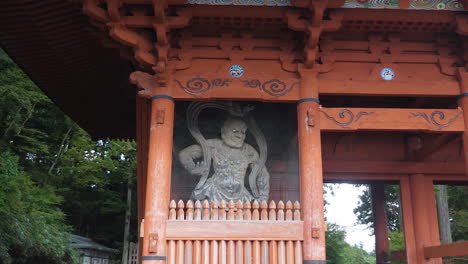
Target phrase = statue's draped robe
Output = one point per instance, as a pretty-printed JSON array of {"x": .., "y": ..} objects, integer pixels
[{"x": 230, "y": 169}]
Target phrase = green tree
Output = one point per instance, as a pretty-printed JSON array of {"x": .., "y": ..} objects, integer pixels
[
  {"x": 31, "y": 223},
  {"x": 93, "y": 178},
  {"x": 61, "y": 160},
  {"x": 458, "y": 208},
  {"x": 364, "y": 209},
  {"x": 335, "y": 244},
  {"x": 340, "y": 252}
]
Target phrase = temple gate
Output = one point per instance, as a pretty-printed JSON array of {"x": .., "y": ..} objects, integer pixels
[
  {"x": 341, "y": 91},
  {"x": 395, "y": 74}
]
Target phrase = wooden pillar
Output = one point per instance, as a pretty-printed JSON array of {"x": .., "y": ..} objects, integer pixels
[
  {"x": 431, "y": 207},
  {"x": 408, "y": 221},
  {"x": 158, "y": 179},
  {"x": 382, "y": 246},
  {"x": 310, "y": 170},
  {"x": 143, "y": 112},
  {"x": 463, "y": 103},
  {"x": 423, "y": 222}
]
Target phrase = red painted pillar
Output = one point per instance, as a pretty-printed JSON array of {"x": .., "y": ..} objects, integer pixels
[
  {"x": 423, "y": 222},
  {"x": 431, "y": 207},
  {"x": 408, "y": 221},
  {"x": 310, "y": 170},
  {"x": 158, "y": 180},
  {"x": 382, "y": 245}
]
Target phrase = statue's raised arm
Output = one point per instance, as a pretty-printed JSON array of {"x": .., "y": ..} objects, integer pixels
[{"x": 187, "y": 158}]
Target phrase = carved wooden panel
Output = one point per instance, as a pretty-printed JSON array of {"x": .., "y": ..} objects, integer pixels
[{"x": 447, "y": 120}]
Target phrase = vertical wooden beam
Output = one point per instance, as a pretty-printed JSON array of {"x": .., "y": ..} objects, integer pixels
[
  {"x": 463, "y": 103},
  {"x": 431, "y": 207},
  {"x": 408, "y": 221},
  {"x": 142, "y": 130},
  {"x": 158, "y": 179},
  {"x": 423, "y": 222},
  {"x": 310, "y": 169},
  {"x": 382, "y": 245}
]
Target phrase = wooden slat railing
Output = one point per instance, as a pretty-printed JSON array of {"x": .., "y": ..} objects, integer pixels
[{"x": 231, "y": 233}]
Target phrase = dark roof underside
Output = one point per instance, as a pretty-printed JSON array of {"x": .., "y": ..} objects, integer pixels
[{"x": 56, "y": 45}]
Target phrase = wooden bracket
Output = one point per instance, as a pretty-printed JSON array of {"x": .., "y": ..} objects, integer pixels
[
  {"x": 153, "y": 243},
  {"x": 132, "y": 30},
  {"x": 160, "y": 114},
  {"x": 315, "y": 232},
  {"x": 310, "y": 117},
  {"x": 313, "y": 24},
  {"x": 142, "y": 228}
]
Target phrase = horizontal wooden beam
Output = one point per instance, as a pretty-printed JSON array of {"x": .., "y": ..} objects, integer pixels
[
  {"x": 391, "y": 119},
  {"x": 393, "y": 167},
  {"x": 234, "y": 230},
  {"x": 359, "y": 177},
  {"x": 447, "y": 250},
  {"x": 389, "y": 178},
  {"x": 382, "y": 170},
  {"x": 397, "y": 255},
  {"x": 393, "y": 88}
]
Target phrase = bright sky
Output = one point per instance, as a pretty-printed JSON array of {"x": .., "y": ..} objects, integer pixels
[{"x": 340, "y": 211}]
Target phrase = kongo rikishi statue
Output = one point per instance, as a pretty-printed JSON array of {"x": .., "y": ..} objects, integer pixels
[{"x": 230, "y": 156}]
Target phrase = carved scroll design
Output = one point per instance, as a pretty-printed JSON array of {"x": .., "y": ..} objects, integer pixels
[
  {"x": 346, "y": 117},
  {"x": 432, "y": 118},
  {"x": 273, "y": 87},
  {"x": 197, "y": 86}
]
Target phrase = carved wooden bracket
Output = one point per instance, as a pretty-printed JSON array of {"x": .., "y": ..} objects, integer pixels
[
  {"x": 388, "y": 50},
  {"x": 313, "y": 24},
  {"x": 147, "y": 35}
]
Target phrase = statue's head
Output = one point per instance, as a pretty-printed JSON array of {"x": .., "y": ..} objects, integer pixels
[{"x": 233, "y": 132}]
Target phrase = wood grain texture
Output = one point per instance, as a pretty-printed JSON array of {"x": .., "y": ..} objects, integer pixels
[
  {"x": 447, "y": 250},
  {"x": 391, "y": 119},
  {"x": 236, "y": 230}
]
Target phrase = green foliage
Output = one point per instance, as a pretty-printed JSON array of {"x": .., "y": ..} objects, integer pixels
[
  {"x": 397, "y": 243},
  {"x": 397, "y": 240},
  {"x": 93, "y": 179},
  {"x": 340, "y": 252},
  {"x": 458, "y": 210},
  {"x": 31, "y": 225},
  {"x": 335, "y": 244},
  {"x": 70, "y": 179},
  {"x": 364, "y": 209}
]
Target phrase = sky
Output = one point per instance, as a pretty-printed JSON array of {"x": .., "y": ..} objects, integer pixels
[{"x": 340, "y": 211}]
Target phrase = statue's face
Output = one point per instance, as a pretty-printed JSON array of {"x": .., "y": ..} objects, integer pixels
[{"x": 233, "y": 133}]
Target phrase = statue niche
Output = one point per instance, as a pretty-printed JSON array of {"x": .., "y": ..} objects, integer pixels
[{"x": 229, "y": 156}]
